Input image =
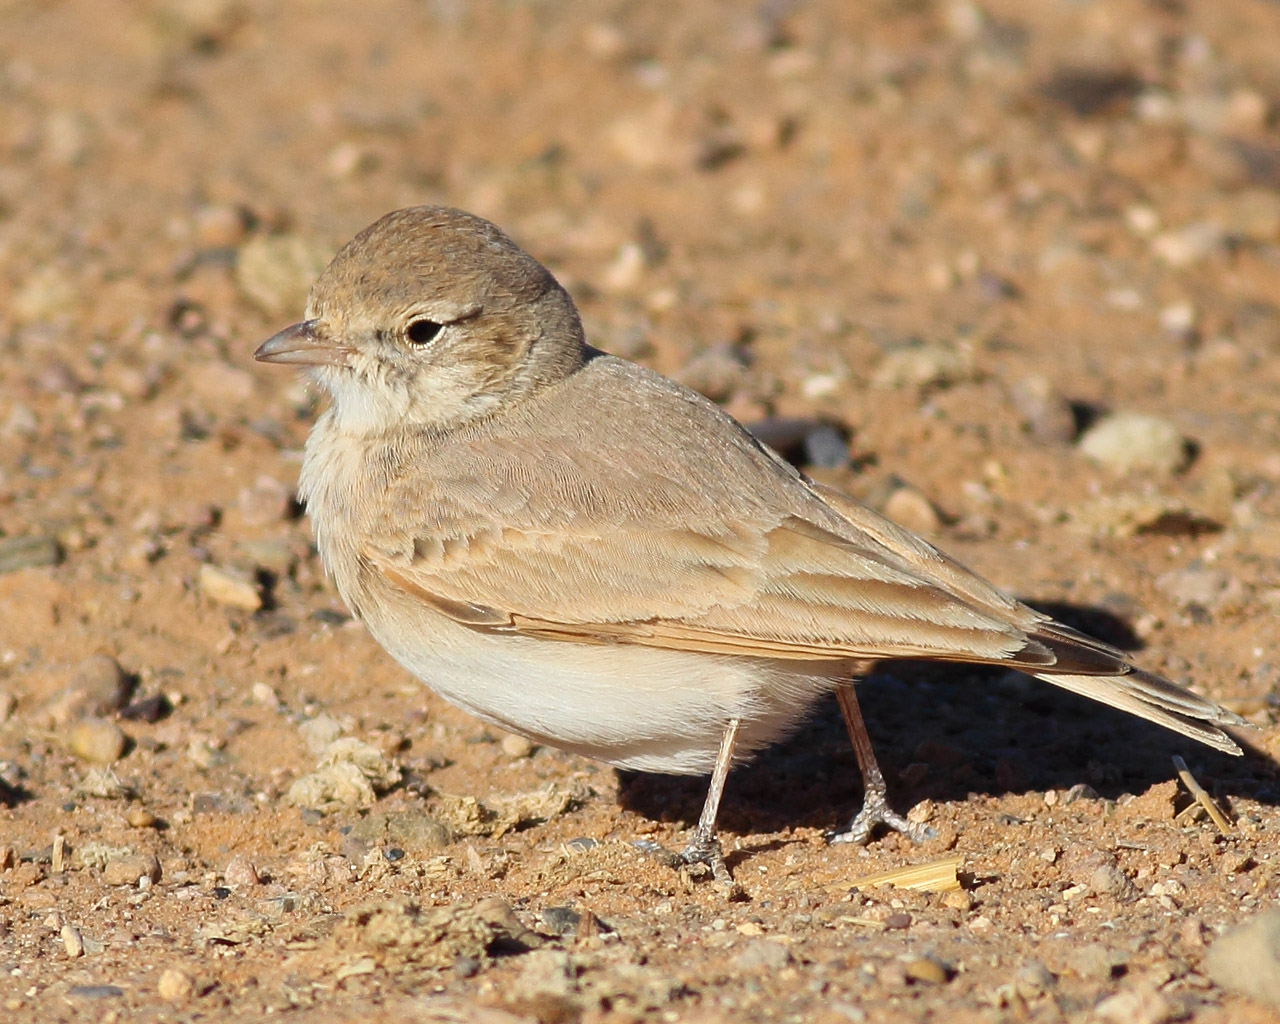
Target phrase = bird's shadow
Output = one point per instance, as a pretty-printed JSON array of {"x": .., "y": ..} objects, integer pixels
[{"x": 945, "y": 731}]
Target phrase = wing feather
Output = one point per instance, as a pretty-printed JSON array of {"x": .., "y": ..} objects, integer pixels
[{"x": 793, "y": 591}]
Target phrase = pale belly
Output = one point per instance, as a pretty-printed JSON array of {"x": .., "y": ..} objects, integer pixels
[{"x": 633, "y": 707}]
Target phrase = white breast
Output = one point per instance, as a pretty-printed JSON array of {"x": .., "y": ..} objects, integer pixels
[{"x": 633, "y": 707}]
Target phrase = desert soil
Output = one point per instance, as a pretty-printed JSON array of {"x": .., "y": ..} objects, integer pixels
[{"x": 933, "y": 248}]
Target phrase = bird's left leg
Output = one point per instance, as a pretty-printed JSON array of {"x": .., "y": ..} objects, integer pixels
[{"x": 704, "y": 844}]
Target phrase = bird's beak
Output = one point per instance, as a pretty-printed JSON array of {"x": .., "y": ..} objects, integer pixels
[{"x": 302, "y": 344}]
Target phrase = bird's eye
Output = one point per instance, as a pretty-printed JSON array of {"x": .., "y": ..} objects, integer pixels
[{"x": 420, "y": 332}]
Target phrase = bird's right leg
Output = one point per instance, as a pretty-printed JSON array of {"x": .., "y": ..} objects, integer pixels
[{"x": 875, "y": 803}]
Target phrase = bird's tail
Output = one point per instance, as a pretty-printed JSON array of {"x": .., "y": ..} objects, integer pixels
[{"x": 1157, "y": 700}]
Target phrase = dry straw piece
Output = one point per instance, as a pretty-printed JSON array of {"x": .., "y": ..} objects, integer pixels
[
  {"x": 936, "y": 876},
  {"x": 1202, "y": 797}
]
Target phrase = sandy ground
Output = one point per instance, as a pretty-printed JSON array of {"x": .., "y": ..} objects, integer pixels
[{"x": 930, "y": 243}]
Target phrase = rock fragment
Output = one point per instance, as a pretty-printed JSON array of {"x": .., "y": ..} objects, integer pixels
[
  {"x": 1125, "y": 442},
  {"x": 1142, "y": 1004},
  {"x": 763, "y": 954},
  {"x": 922, "y": 364},
  {"x": 175, "y": 986},
  {"x": 105, "y": 686},
  {"x": 516, "y": 747},
  {"x": 1246, "y": 960},
  {"x": 97, "y": 741},
  {"x": 927, "y": 970},
  {"x": 350, "y": 774},
  {"x": 400, "y": 932},
  {"x": 1203, "y": 587},
  {"x": 276, "y": 271},
  {"x": 1048, "y": 415},
  {"x": 129, "y": 869},
  {"x": 240, "y": 873},
  {"x": 909, "y": 507},
  {"x": 225, "y": 588},
  {"x": 72, "y": 941},
  {"x": 28, "y": 553}
]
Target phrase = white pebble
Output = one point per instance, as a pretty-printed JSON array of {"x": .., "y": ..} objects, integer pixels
[{"x": 1127, "y": 441}]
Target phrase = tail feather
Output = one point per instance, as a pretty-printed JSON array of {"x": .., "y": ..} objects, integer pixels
[{"x": 1157, "y": 700}]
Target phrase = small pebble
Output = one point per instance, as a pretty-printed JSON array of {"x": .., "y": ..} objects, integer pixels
[
  {"x": 319, "y": 732},
  {"x": 275, "y": 556},
  {"x": 560, "y": 920},
  {"x": 105, "y": 685},
  {"x": 717, "y": 373},
  {"x": 496, "y": 911},
  {"x": 958, "y": 899},
  {"x": 28, "y": 553},
  {"x": 1233, "y": 862},
  {"x": 175, "y": 986},
  {"x": 72, "y": 941},
  {"x": 920, "y": 364},
  {"x": 275, "y": 271},
  {"x": 1211, "y": 589},
  {"x": 240, "y": 873},
  {"x": 1047, "y": 414},
  {"x": 1142, "y": 1004},
  {"x": 95, "y": 992},
  {"x": 96, "y": 740},
  {"x": 45, "y": 294},
  {"x": 350, "y": 159},
  {"x": 148, "y": 709},
  {"x": 266, "y": 502},
  {"x": 1192, "y": 932},
  {"x": 418, "y": 832},
  {"x": 1181, "y": 247},
  {"x": 129, "y": 869},
  {"x": 825, "y": 447},
  {"x": 202, "y": 753},
  {"x": 1246, "y": 959},
  {"x": 908, "y": 507},
  {"x": 1179, "y": 320},
  {"x": 927, "y": 971},
  {"x": 516, "y": 747},
  {"x": 1109, "y": 880},
  {"x": 21, "y": 422},
  {"x": 763, "y": 954},
  {"x": 1093, "y": 961},
  {"x": 222, "y": 226},
  {"x": 1032, "y": 979},
  {"x": 8, "y": 704},
  {"x": 139, "y": 817},
  {"x": 223, "y": 588},
  {"x": 1128, "y": 441}
]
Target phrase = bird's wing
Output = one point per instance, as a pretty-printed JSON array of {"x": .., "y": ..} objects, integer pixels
[
  {"x": 789, "y": 590},
  {"x": 761, "y": 581}
]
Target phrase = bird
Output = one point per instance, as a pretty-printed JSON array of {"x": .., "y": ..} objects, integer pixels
[{"x": 574, "y": 548}]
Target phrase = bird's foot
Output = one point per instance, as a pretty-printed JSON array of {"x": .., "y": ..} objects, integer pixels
[
  {"x": 875, "y": 811},
  {"x": 705, "y": 850},
  {"x": 703, "y": 857}
]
